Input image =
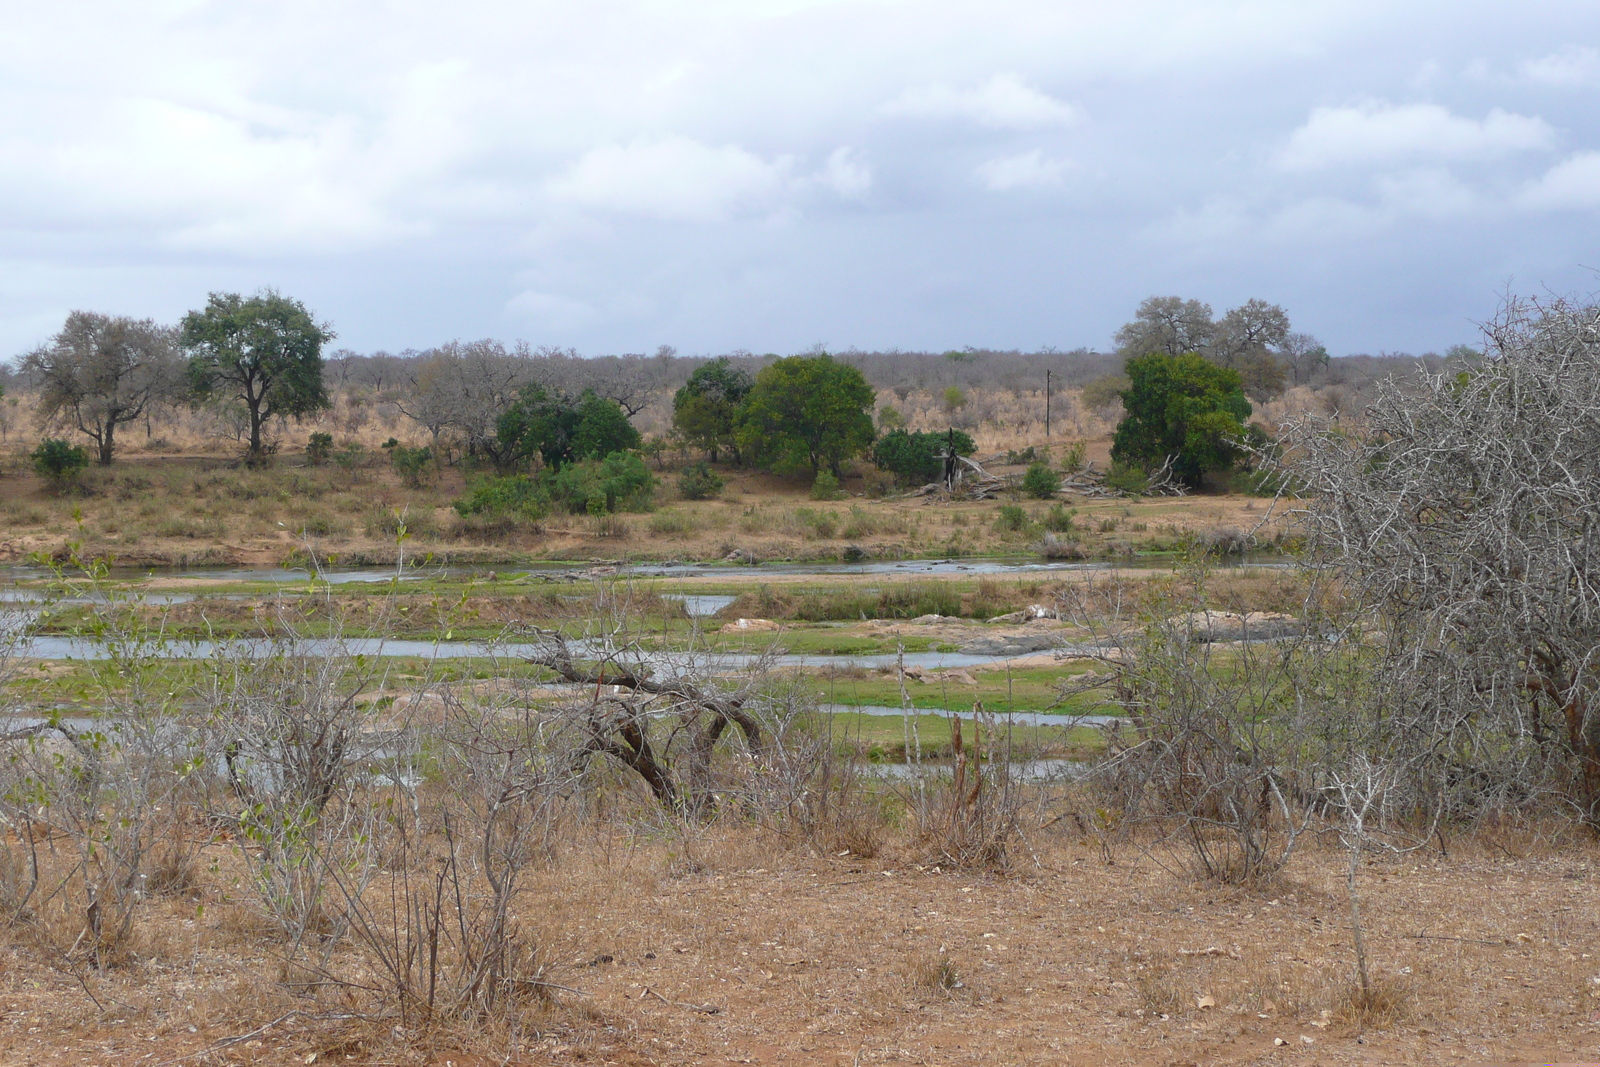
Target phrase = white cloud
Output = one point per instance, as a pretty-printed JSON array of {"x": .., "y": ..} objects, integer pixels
[
  {"x": 1428, "y": 193},
  {"x": 1003, "y": 103},
  {"x": 551, "y": 310},
  {"x": 1377, "y": 132},
  {"x": 1030, "y": 170},
  {"x": 848, "y": 178},
  {"x": 1571, "y": 185},
  {"x": 681, "y": 180},
  {"x": 1575, "y": 66},
  {"x": 675, "y": 179}
]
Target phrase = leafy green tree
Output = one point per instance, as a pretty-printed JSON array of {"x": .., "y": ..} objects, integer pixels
[
  {"x": 914, "y": 457},
  {"x": 559, "y": 429},
  {"x": 264, "y": 352},
  {"x": 602, "y": 428},
  {"x": 807, "y": 411},
  {"x": 706, "y": 410},
  {"x": 1184, "y": 407}
]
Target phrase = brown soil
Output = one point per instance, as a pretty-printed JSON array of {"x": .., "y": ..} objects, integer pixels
[{"x": 731, "y": 947}]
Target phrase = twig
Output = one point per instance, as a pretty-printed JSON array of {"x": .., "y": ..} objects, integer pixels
[
  {"x": 258, "y": 1031},
  {"x": 1467, "y": 940},
  {"x": 704, "y": 1009}
]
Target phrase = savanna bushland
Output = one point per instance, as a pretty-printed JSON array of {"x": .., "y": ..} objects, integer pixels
[{"x": 488, "y": 704}]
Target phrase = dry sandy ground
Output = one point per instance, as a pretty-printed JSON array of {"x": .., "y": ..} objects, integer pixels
[{"x": 734, "y": 949}]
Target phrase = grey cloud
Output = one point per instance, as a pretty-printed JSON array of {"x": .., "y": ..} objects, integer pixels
[{"x": 721, "y": 175}]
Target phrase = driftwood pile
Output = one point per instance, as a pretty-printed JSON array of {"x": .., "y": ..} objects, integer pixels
[{"x": 973, "y": 482}]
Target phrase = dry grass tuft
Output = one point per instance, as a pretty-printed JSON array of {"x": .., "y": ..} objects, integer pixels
[
  {"x": 1383, "y": 1003},
  {"x": 933, "y": 972}
]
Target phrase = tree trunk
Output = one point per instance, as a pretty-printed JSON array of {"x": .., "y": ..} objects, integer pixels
[
  {"x": 254, "y": 455},
  {"x": 107, "y": 439}
]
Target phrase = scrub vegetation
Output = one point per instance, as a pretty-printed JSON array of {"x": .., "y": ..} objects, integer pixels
[{"x": 797, "y": 758}]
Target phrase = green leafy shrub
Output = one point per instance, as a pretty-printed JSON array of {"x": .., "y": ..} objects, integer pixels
[
  {"x": 1011, "y": 519},
  {"x": 699, "y": 482},
  {"x": 914, "y": 457},
  {"x": 1059, "y": 520},
  {"x": 812, "y": 524},
  {"x": 318, "y": 448},
  {"x": 513, "y": 497},
  {"x": 1028, "y": 455},
  {"x": 1075, "y": 458},
  {"x": 1128, "y": 477},
  {"x": 349, "y": 457},
  {"x": 1041, "y": 482},
  {"x": 59, "y": 462},
  {"x": 599, "y": 487},
  {"x": 411, "y": 463},
  {"x": 826, "y": 487}
]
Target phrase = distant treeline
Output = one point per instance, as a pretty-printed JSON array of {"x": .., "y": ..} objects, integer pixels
[{"x": 894, "y": 370}]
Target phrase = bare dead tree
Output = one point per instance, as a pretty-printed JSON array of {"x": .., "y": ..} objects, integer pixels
[
  {"x": 102, "y": 371},
  {"x": 664, "y": 715}
]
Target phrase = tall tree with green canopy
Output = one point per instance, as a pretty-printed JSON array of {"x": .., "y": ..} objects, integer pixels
[
  {"x": 1184, "y": 407},
  {"x": 264, "y": 352},
  {"x": 807, "y": 410},
  {"x": 706, "y": 410},
  {"x": 559, "y": 429}
]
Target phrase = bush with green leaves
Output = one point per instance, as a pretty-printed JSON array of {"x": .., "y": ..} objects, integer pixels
[
  {"x": 1075, "y": 458},
  {"x": 515, "y": 496},
  {"x": 1130, "y": 478},
  {"x": 1041, "y": 482},
  {"x": 1059, "y": 520},
  {"x": 602, "y": 486},
  {"x": 914, "y": 457},
  {"x": 1185, "y": 408},
  {"x": 319, "y": 448},
  {"x": 411, "y": 463},
  {"x": 826, "y": 487},
  {"x": 706, "y": 410},
  {"x": 1011, "y": 519},
  {"x": 58, "y": 461},
  {"x": 558, "y": 429},
  {"x": 806, "y": 412},
  {"x": 699, "y": 482}
]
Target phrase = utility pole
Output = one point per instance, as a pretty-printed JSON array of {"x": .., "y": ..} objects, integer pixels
[{"x": 1047, "y": 405}]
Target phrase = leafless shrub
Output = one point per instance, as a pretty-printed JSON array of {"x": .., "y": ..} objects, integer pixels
[
  {"x": 1219, "y": 765},
  {"x": 113, "y": 785},
  {"x": 436, "y": 931},
  {"x": 969, "y": 818},
  {"x": 1461, "y": 515},
  {"x": 292, "y": 719}
]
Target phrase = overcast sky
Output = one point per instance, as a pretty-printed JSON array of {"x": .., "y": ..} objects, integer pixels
[{"x": 723, "y": 174}]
